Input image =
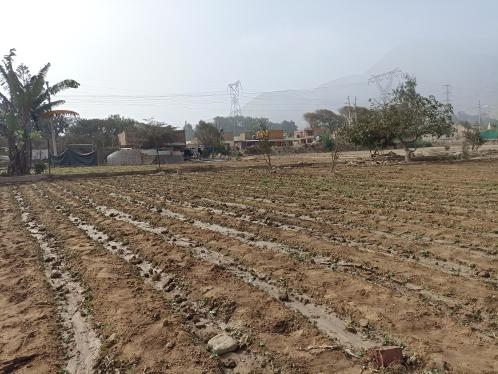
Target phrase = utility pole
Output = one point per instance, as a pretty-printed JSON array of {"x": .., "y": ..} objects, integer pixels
[
  {"x": 447, "y": 93},
  {"x": 54, "y": 144},
  {"x": 479, "y": 108},
  {"x": 355, "y": 114}
]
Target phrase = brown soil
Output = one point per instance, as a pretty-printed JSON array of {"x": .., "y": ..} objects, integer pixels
[
  {"x": 29, "y": 338},
  {"x": 304, "y": 268}
]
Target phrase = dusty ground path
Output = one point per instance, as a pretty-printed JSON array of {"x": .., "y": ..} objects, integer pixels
[{"x": 29, "y": 338}]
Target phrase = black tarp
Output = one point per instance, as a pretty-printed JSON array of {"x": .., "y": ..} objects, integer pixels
[{"x": 72, "y": 158}]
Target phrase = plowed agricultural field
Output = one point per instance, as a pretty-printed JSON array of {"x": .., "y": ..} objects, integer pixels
[{"x": 295, "y": 271}]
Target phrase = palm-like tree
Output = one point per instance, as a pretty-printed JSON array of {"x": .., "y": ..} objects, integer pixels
[{"x": 25, "y": 102}]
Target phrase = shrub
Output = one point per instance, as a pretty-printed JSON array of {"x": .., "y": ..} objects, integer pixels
[
  {"x": 327, "y": 142},
  {"x": 40, "y": 168}
]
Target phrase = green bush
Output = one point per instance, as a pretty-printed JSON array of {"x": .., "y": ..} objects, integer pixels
[
  {"x": 40, "y": 168},
  {"x": 327, "y": 142}
]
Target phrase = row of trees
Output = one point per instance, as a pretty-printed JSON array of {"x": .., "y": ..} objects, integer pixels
[
  {"x": 240, "y": 124},
  {"x": 403, "y": 119}
]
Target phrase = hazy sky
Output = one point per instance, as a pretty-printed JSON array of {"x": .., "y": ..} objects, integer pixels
[{"x": 185, "y": 52}]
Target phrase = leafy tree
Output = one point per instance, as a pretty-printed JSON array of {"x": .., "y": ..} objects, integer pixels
[
  {"x": 367, "y": 130},
  {"x": 325, "y": 119},
  {"x": 473, "y": 138},
  {"x": 155, "y": 134},
  {"x": 263, "y": 137},
  {"x": 25, "y": 100},
  {"x": 208, "y": 135},
  {"x": 189, "y": 131},
  {"x": 240, "y": 124},
  {"x": 101, "y": 132},
  {"x": 332, "y": 123},
  {"x": 409, "y": 116}
]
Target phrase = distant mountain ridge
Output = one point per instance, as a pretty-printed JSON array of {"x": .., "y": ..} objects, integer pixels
[{"x": 471, "y": 72}]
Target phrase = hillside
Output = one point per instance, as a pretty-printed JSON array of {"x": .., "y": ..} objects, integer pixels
[{"x": 471, "y": 72}]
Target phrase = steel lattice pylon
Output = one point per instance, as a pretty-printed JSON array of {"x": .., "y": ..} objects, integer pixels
[{"x": 234, "y": 92}]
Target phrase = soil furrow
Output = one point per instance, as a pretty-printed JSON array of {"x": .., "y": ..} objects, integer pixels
[
  {"x": 224, "y": 285},
  {"x": 30, "y": 341},
  {"x": 397, "y": 283},
  {"x": 81, "y": 341},
  {"x": 138, "y": 325},
  {"x": 157, "y": 230}
]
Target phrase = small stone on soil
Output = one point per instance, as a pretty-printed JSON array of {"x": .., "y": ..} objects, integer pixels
[
  {"x": 222, "y": 343},
  {"x": 363, "y": 323},
  {"x": 170, "y": 345}
]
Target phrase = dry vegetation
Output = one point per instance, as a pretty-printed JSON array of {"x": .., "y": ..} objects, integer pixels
[{"x": 305, "y": 269}]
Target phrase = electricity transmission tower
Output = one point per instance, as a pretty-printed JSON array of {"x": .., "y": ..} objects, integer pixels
[
  {"x": 447, "y": 93},
  {"x": 385, "y": 81},
  {"x": 234, "y": 92}
]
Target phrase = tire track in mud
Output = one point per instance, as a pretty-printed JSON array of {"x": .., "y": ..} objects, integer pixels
[
  {"x": 433, "y": 298},
  {"x": 112, "y": 212},
  {"x": 315, "y": 316},
  {"x": 81, "y": 342},
  {"x": 325, "y": 321}
]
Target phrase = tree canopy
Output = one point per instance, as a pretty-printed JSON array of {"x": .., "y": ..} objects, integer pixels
[
  {"x": 241, "y": 124},
  {"x": 326, "y": 119},
  {"x": 207, "y": 134},
  {"x": 405, "y": 118},
  {"x": 24, "y": 100}
]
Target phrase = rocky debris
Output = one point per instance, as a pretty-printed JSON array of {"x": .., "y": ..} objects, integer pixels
[
  {"x": 283, "y": 295},
  {"x": 222, "y": 343},
  {"x": 135, "y": 261},
  {"x": 55, "y": 274},
  {"x": 484, "y": 274},
  {"x": 363, "y": 323},
  {"x": 229, "y": 363},
  {"x": 439, "y": 364},
  {"x": 169, "y": 287},
  {"x": 111, "y": 339},
  {"x": 170, "y": 345}
]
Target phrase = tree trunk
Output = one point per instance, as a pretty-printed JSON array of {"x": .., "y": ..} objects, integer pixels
[
  {"x": 408, "y": 153},
  {"x": 268, "y": 160},
  {"x": 19, "y": 152},
  {"x": 18, "y": 160}
]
